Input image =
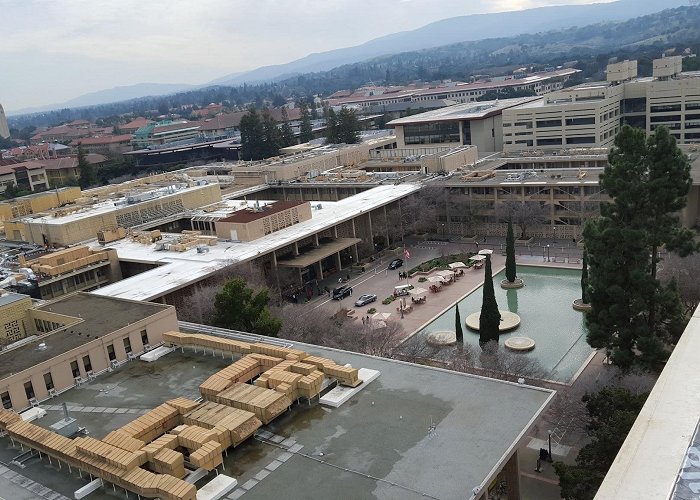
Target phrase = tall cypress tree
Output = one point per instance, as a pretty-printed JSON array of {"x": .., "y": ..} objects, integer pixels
[
  {"x": 305, "y": 129},
  {"x": 85, "y": 169},
  {"x": 584, "y": 279},
  {"x": 459, "y": 333},
  {"x": 510, "y": 253},
  {"x": 490, "y": 318}
]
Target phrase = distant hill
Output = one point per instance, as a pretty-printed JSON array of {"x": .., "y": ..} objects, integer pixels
[
  {"x": 458, "y": 29},
  {"x": 115, "y": 94}
]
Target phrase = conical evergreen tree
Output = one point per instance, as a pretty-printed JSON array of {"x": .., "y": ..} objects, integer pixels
[
  {"x": 490, "y": 318},
  {"x": 510, "y": 253},
  {"x": 458, "y": 326},
  {"x": 584, "y": 279}
]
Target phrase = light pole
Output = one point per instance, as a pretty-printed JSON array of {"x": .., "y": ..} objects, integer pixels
[
  {"x": 547, "y": 253},
  {"x": 549, "y": 442},
  {"x": 443, "y": 230},
  {"x": 554, "y": 233}
]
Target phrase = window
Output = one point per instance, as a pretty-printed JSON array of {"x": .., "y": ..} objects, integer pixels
[
  {"x": 127, "y": 345},
  {"x": 580, "y": 140},
  {"x": 110, "y": 352},
  {"x": 548, "y": 123},
  {"x": 588, "y": 120},
  {"x": 6, "y": 401},
  {"x": 665, "y": 108},
  {"x": 635, "y": 105},
  {"x": 554, "y": 141},
  {"x": 669, "y": 118},
  {"x": 87, "y": 363},
  {"x": 431, "y": 133},
  {"x": 692, "y": 105},
  {"x": 144, "y": 337},
  {"x": 29, "y": 389},
  {"x": 74, "y": 369},
  {"x": 48, "y": 380},
  {"x": 523, "y": 124}
]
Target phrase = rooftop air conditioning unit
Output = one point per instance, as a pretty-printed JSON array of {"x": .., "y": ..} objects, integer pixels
[
  {"x": 53, "y": 393},
  {"x": 114, "y": 363},
  {"x": 33, "y": 402}
]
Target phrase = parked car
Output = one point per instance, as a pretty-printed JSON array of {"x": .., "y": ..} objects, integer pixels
[
  {"x": 341, "y": 292},
  {"x": 396, "y": 263},
  {"x": 365, "y": 299}
]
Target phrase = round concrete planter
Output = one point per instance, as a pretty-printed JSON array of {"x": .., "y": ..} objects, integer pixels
[
  {"x": 442, "y": 338},
  {"x": 518, "y": 283},
  {"x": 520, "y": 344},
  {"x": 509, "y": 321},
  {"x": 579, "y": 305}
]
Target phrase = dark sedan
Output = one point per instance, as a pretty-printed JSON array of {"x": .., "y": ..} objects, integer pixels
[{"x": 396, "y": 263}]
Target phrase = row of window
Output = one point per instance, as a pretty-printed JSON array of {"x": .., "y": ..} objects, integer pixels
[
  {"x": 431, "y": 133},
  {"x": 75, "y": 370}
]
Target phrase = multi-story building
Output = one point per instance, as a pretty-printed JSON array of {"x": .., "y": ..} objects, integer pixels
[
  {"x": 478, "y": 124},
  {"x": 13, "y": 314},
  {"x": 4, "y": 129},
  {"x": 77, "y": 337},
  {"x": 36, "y": 203},
  {"x": 260, "y": 220},
  {"x": 107, "y": 143},
  {"x": 27, "y": 175},
  {"x": 164, "y": 132}
]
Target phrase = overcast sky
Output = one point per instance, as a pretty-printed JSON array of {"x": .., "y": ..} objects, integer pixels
[{"x": 52, "y": 51}]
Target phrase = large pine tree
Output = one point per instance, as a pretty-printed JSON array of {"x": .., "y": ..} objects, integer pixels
[
  {"x": 459, "y": 333},
  {"x": 490, "y": 317},
  {"x": 634, "y": 317}
]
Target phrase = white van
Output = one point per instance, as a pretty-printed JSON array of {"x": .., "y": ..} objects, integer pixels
[{"x": 402, "y": 290}]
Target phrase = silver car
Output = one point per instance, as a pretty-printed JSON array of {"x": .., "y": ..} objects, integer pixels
[{"x": 365, "y": 299}]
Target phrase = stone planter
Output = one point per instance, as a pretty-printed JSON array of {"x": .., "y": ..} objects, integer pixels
[
  {"x": 579, "y": 305},
  {"x": 518, "y": 283}
]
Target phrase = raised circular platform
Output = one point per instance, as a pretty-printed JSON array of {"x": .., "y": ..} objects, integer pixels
[
  {"x": 518, "y": 283},
  {"x": 580, "y": 305},
  {"x": 509, "y": 321},
  {"x": 442, "y": 338},
  {"x": 520, "y": 344}
]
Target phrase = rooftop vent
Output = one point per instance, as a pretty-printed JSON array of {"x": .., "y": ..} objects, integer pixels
[{"x": 42, "y": 346}]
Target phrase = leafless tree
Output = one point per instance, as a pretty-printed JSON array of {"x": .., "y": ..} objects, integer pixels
[
  {"x": 684, "y": 271},
  {"x": 198, "y": 307},
  {"x": 524, "y": 214}
]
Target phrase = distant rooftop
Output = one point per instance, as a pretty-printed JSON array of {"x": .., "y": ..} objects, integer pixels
[
  {"x": 251, "y": 214},
  {"x": 466, "y": 111},
  {"x": 10, "y": 297}
]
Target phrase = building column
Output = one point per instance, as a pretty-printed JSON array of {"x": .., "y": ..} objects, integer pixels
[
  {"x": 320, "y": 270},
  {"x": 296, "y": 248},
  {"x": 338, "y": 262},
  {"x": 356, "y": 256},
  {"x": 316, "y": 239},
  {"x": 511, "y": 474},
  {"x": 335, "y": 232},
  {"x": 275, "y": 269}
]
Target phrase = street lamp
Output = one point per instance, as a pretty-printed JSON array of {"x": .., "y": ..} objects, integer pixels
[
  {"x": 549, "y": 442},
  {"x": 554, "y": 232},
  {"x": 443, "y": 230},
  {"x": 547, "y": 253}
]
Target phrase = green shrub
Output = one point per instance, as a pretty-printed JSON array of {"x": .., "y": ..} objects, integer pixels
[
  {"x": 371, "y": 310},
  {"x": 422, "y": 279}
]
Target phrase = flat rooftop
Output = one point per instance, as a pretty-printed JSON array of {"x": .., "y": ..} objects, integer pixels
[
  {"x": 95, "y": 317},
  {"x": 466, "y": 111},
  {"x": 179, "y": 269},
  {"x": 258, "y": 212},
  {"x": 414, "y": 433},
  {"x": 10, "y": 297}
]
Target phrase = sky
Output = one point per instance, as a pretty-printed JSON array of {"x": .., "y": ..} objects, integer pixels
[{"x": 52, "y": 51}]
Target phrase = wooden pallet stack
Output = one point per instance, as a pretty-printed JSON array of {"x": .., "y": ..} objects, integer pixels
[
  {"x": 208, "y": 456},
  {"x": 153, "y": 424},
  {"x": 345, "y": 375},
  {"x": 170, "y": 462},
  {"x": 278, "y": 352},
  {"x": 243, "y": 370},
  {"x": 166, "y": 441},
  {"x": 266, "y": 404},
  {"x": 122, "y": 440},
  {"x": 231, "y": 424},
  {"x": 182, "y": 405}
]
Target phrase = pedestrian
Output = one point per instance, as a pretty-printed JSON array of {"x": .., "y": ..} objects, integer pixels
[
  {"x": 351, "y": 291},
  {"x": 348, "y": 277},
  {"x": 363, "y": 320},
  {"x": 477, "y": 244}
]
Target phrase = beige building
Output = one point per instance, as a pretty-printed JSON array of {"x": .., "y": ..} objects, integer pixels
[
  {"x": 478, "y": 124},
  {"x": 256, "y": 222},
  {"x": 78, "y": 337},
  {"x": 27, "y": 176},
  {"x": 13, "y": 314},
  {"x": 76, "y": 223},
  {"x": 37, "y": 203},
  {"x": 4, "y": 129},
  {"x": 73, "y": 269}
]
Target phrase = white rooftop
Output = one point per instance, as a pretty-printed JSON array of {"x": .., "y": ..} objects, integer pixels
[
  {"x": 179, "y": 269},
  {"x": 466, "y": 111}
]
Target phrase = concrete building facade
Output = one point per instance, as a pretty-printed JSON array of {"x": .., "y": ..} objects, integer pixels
[
  {"x": 13, "y": 313},
  {"x": 259, "y": 221}
]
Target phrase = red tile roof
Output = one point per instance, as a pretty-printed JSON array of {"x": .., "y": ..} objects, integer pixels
[{"x": 107, "y": 139}]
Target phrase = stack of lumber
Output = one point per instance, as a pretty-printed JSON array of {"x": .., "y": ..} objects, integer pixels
[
  {"x": 163, "y": 486},
  {"x": 102, "y": 460},
  {"x": 208, "y": 341},
  {"x": 182, "y": 405},
  {"x": 243, "y": 370},
  {"x": 168, "y": 441},
  {"x": 266, "y": 404},
  {"x": 345, "y": 375},
  {"x": 309, "y": 386},
  {"x": 266, "y": 361},
  {"x": 122, "y": 440},
  {"x": 156, "y": 422},
  {"x": 278, "y": 352},
  {"x": 193, "y": 436},
  {"x": 7, "y": 417},
  {"x": 113, "y": 455},
  {"x": 168, "y": 461},
  {"x": 232, "y": 425},
  {"x": 208, "y": 456},
  {"x": 285, "y": 382}
]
